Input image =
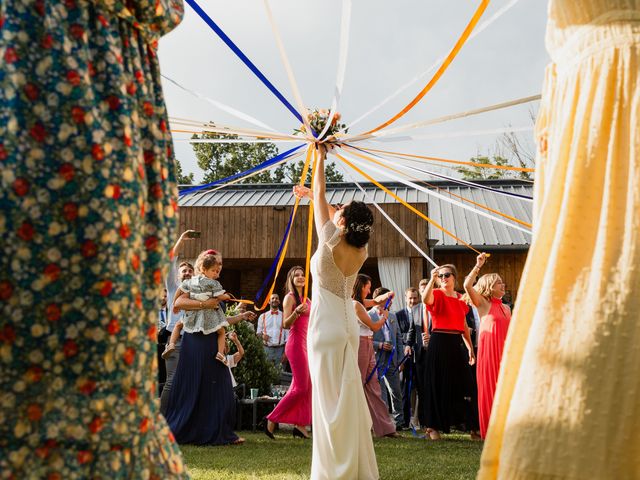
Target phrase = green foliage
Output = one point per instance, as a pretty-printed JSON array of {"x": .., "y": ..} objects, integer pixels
[
  {"x": 220, "y": 160},
  {"x": 254, "y": 370},
  {"x": 291, "y": 172},
  {"x": 181, "y": 178},
  {"x": 479, "y": 173}
]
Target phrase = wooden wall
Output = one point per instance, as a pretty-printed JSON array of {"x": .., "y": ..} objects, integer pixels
[{"x": 256, "y": 232}]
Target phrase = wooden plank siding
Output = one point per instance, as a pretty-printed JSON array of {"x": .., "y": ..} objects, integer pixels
[
  {"x": 249, "y": 237},
  {"x": 256, "y": 232}
]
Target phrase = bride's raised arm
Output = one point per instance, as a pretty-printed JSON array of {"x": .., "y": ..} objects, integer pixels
[{"x": 321, "y": 206}]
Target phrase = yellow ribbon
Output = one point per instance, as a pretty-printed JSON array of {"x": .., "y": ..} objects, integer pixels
[
  {"x": 445, "y": 64},
  {"x": 309, "y": 232},
  {"x": 305, "y": 170}
]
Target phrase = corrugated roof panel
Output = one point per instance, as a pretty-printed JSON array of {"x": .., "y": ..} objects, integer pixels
[{"x": 467, "y": 225}]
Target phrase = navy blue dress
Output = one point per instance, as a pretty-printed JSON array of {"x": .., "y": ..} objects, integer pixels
[{"x": 201, "y": 407}]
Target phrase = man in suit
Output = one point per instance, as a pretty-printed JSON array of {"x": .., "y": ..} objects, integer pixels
[
  {"x": 389, "y": 347},
  {"x": 410, "y": 318},
  {"x": 418, "y": 332}
]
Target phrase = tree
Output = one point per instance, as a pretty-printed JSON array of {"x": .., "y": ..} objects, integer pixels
[
  {"x": 221, "y": 160},
  {"x": 291, "y": 173},
  {"x": 181, "y": 178},
  {"x": 509, "y": 150},
  {"x": 480, "y": 173}
]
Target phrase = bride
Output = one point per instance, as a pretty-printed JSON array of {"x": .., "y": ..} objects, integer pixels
[{"x": 342, "y": 445}]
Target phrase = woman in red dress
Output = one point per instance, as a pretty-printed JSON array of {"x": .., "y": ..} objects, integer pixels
[
  {"x": 444, "y": 382},
  {"x": 295, "y": 406},
  {"x": 494, "y": 324}
]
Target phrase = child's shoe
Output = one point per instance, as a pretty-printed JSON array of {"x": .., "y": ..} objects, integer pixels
[{"x": 168, "y": 350}]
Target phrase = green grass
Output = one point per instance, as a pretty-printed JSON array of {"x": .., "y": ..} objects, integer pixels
[{"x": 455, "y": 457}]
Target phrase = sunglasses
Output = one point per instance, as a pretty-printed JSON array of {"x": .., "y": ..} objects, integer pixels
[{"x": 445, "y": 275}]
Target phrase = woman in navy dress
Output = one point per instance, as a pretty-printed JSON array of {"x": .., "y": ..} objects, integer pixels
[{"x": 201, "y": 407}]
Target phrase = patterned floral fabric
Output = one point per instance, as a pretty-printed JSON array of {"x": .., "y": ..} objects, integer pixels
[{"x": 87, "y": 211}]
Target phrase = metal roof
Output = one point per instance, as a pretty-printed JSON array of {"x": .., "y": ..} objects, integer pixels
[{"x": 469, "y": 226}]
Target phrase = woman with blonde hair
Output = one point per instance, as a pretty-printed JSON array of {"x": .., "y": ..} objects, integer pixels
[{"x": 486, "y": 296}]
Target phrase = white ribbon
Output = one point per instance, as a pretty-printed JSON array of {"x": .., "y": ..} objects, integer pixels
[
  {"x": 476, "y": 32},
  {"x": 390, "y": 220},
  {"x": 445, "y": 118},
  {"x": 468, "y": 133},
  {"x": 213, "y": 128},
  {"x": 287, "y": 66},
  {"x": 229, "y": 140},
  {"x": 226, "y": 108},
  {"x": 432, "y": 193},
  {"x": 342, "y": 63}
]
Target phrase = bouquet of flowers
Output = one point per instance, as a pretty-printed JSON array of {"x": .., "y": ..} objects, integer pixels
[{"x": 318, "y": 119}]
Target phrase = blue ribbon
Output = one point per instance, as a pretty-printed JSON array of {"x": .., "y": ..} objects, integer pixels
[
  {"x": 384, "y": 372},
  {"x": 265, "y": 164},
  {"x": 375, "y": 369},
  {"x": 275, "y": 260},
  {"x": 223, "y": 36}
]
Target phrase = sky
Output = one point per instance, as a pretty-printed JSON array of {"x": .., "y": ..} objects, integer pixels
[{"x": 389, "y": 44}]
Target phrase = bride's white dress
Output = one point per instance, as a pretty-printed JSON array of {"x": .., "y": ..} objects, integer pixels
[{"x": 342, "y": 445}]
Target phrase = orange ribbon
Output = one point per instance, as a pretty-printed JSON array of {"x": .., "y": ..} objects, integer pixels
[
  {"x": 445, "y": 64},
  {"x": 410, "y": 207}
]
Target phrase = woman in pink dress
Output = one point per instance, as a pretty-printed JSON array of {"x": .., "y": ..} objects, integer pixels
[
  {"x": 295, "y": 406},
  {"x": 494, "y": 324}
]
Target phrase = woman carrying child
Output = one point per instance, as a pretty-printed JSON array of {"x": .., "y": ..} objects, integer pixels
[
  {"x": 201, "y": 407},
  {"x": 203, "y": 286}
]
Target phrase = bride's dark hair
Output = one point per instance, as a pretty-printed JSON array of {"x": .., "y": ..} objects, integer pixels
[{"x": 358, "y": 223}]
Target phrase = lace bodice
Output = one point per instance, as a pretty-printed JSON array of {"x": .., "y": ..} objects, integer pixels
[{"x": 324, "y": 268}]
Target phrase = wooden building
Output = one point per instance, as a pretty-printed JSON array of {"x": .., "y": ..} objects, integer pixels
[{"x": 247, "y": 223}]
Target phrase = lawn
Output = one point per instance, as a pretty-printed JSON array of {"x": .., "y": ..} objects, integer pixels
[{"x": 455, "y": 457}]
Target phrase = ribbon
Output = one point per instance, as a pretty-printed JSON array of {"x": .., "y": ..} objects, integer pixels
[
  {"x": 384, "y": 372},
  {"x": 221, "y": 106},
  {"x": 289, "y": 70},
  {"x": 375, "y": 369},
  {"x": 410, "y": 207},
  {"x": 468, "y": 133},
  {"x": 446, "y": 160},
  {"x": 229, "y": 140},
  {"x": 394, "y": 224},
  {"x": 443, "y": 67},
  {"x": 282, "y": 251},
  {"x": 307, "y": 261},
  {"x": 432, "y": 193},
  {"x": 234, "y": 48},
  {"x": 453, "y": 179},
  {"x": 258, "y": 167},
  {"x": 445, "y": 118},
  {"x": 476, "y": 32},
  {"x": 233, "y": 182},
  {"x": 342, "y": 63}
]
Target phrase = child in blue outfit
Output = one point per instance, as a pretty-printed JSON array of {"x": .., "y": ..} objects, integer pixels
[{"x": 203, "y": 286}]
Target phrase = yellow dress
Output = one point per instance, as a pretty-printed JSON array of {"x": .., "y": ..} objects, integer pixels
[{"x": 568, "y": 398}]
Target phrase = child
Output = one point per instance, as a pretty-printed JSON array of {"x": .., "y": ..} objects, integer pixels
[
  {"x": 233, "y": 360},
  {"x": 203, "y": 286}
]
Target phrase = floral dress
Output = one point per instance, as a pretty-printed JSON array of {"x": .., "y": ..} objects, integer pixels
[{"x": 87, "y": 211}]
